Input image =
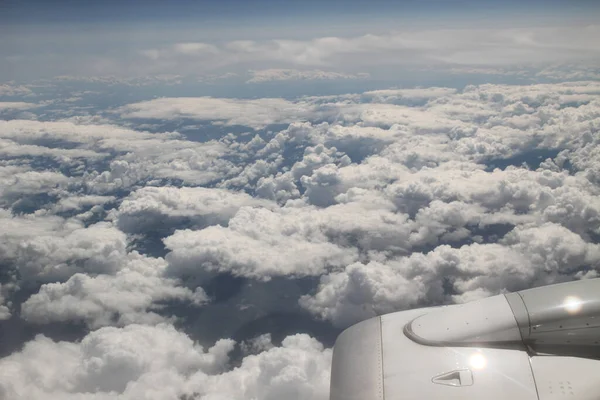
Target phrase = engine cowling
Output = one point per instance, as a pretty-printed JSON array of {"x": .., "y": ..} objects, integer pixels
[{"x": 539, "y": 343}]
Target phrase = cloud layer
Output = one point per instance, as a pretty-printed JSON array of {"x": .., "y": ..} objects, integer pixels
[{"x": 136, "y": 221}]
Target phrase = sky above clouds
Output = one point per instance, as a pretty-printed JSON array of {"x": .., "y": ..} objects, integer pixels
[
  {"x": 196, "y": 198},
  {"x": 207, "y": 40}
]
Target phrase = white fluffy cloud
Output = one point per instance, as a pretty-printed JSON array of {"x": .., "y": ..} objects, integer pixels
[
  {"x": 49, "y": 248},
  {"x": 362, "y": 291},
  {"x": 157, "y": 207},
  {"x": 17, "y": 182},
  {"x": 527, "y": 256},
  {"x": 4, "y": 310},
  {"x": 141, "y": 155},
  {"x": 157, "y": 362},
  {"x": 110, "y": 363},
  {"x": 257, "y": 243},
  {"x": 129, "y": 296},
  {"x": 77, "y": 202},
  {"x": 388, "y": 199},
  {"x": 9, "y": 148},
  {"x": 299, "y": 369},
  {"x": 427, "y": 169}
]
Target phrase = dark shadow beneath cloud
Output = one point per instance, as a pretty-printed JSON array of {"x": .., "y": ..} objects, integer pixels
[
  {"x": 532, "y": 159},
  {"x": 15, "y": 332},
  {"x": 242, "y": 309},
  {"x": 224, "y": 287}
]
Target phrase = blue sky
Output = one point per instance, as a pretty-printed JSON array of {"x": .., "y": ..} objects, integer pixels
[{"x": 40, "y": 11}]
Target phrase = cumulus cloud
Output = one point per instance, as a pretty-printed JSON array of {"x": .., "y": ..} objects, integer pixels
[
  {"x": 362, "y": 291},
  {"x": 298, "y": 369},
  {"x": 159, "y": 362},
  {"x": 109, "y": 362},
  {"x": 18, "y": 182},
  {"x": 140, "y": 156},
  {"x": 78, "y": 202},
  {"x": 155, "y": 207},
  {"x": 4, "y": 310},
  {"x": 257, "y": 243},
  {"x": 370, "y": 202},
  {"x": 527, "y": 256},
  {"x": 49, "y": 248},
  {"x": 257, "y": 344},
  {"x": 129, "y": 296}
]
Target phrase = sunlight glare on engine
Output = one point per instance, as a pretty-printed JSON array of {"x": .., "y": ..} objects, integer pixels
[
  {"x": 572, "y": 304},
  {"x": 477, "y": 361}
]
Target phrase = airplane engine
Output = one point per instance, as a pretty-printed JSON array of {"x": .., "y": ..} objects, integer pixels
[{"x": 536, "y": 344}]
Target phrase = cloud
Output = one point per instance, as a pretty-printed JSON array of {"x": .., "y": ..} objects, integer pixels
[
  {"x": 570, "y": 72},
  {"x": 111, "y": 80},
  {"x": 4, "y": 309},
  {"x": 296, "y": 240},
  {"x": 131, "y": 295},
  {"x": 407, "y": 96},
  {"x": 109, "y": 362},
  {"x": 528, "y": 256},
  {"x": 363, "y": 203},
  {"x": 257, "y": 344},
  {"x": 298, "y": 369},
  {"x": 464, "y": 50},
  {"x": 257, "y": 243},
  {"x": 427, "y": 174},
  {"x": 274, "y": 74},
  {"x": 254, "y": 113},
  {"x": 9, "y": 148},
  {"x": 192, "y": 48},
  {"x": 20, "y": 181},
  {"x": 78, "y": 202},
  {"x": 104, "y": 136},
  {"x": 8, "y": 89},
  {"x": 49, "y": 248},
  {"x": 158, "y": 207},
  {"x": 506, "y": 71},
  {"x": 158, "y": 362},
  {"x": 16, "y": 105},
  {"x": 362, "y": 291},
  {"x": 140, "y": 156},
  {"x": 259, "y": 113},
  {"x": 404, "y": 52}
]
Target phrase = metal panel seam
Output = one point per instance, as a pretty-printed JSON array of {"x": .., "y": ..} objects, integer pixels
[
  {"x": 382, "y": 381},
  {"x": 528, "y": 315},
  {"x": 533, "y": 377}
]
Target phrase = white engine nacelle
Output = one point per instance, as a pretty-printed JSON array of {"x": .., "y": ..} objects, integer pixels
[{"x": 537, "y": 344}]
